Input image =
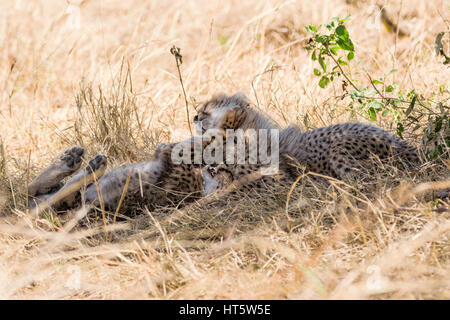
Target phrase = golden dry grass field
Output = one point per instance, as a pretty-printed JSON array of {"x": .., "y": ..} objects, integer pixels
[{"x": 99, "y": 73}]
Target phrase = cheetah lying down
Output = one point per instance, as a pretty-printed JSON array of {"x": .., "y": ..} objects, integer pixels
[
  {"x": 158, "y": 182},
  {"x": 341, "y": 151},
  {"x": 344, "y": 151}
]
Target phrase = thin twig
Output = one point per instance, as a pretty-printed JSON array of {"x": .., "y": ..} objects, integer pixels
[
  {"x": 179, "y": 60},
  {"x": 271, "y": 69},
  {"x": 340, "y": 68},
  {"x": 374, "y": 86},
  {"x": 393, "y": 99}
]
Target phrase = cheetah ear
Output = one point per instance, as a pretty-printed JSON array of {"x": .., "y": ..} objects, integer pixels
[{"x": 241, "y": 99}]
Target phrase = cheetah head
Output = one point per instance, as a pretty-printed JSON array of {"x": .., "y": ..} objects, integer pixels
[{"x": 212, "y": 113}]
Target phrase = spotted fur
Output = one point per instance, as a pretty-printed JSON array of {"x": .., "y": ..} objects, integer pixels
[
  {"x": 341, "y": 150},
  {"x": 156, "y": 183}
]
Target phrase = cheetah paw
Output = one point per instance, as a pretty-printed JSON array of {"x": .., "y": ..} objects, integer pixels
[{"x": 50, "y": 179}]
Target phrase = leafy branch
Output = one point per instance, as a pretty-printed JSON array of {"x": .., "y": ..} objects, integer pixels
[
  {"x": 333, "y": 50},
  {"x": 329, "y": 45}
]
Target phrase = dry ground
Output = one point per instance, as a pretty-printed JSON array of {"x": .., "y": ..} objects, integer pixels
[{"x": 389, "y": 239}]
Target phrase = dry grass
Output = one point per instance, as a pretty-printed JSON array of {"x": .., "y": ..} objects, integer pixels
[{"x": 389, "y": 239}]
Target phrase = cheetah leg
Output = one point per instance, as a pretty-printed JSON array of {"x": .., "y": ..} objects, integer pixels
[
  {"x": 145, "y": 180},
  {"x": 140, "y": 178},
  {"x": 68, "y": 196},
  {"x": 221, "y": 178},
  {"x": 49, "y": 180}
]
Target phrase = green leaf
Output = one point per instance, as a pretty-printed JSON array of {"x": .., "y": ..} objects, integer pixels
[
  {"x": 393, "y": 71},
  {"x": 376, "y": 105},
  {"x": 389, "y": 88},
  {"x": 354, "y": 94},
  {"x": 385, "y": 113},
  {"x": 313, "y": 56},
  {"x": 411, "y": 106},
  {"x": 317, "y": 72},
  {"x": 322, "y": 63},
  {"x": 438, "y": 126},
  {"x": 400, "y": 129},
  {"x": 345, "y": 44},
  {"x": 334, "y": 50},
  {"x": 222, "y": 39},
  {"x": 341, "y": 31},
  {"x": 311, "y": 29},
  {"x": 410, "y": 94},
  {"x": 344, "y": 19},
  {"x": 343, "y": 38},
  {"x": 350, "y": 55},
  {"x": 322, "y": 39},
  {"x": 324, "y": 82},
  {"x": 377, "y": 82},
  {"x": 372, "y": 114},
  {"x": 342, "y": 62}
]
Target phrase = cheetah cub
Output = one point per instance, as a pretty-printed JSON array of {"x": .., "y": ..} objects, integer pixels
[
  {"x": 341, "y": 151},
  {"x": 159, "y": 182}
]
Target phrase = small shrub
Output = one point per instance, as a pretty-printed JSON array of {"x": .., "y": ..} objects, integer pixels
[{"x": 333, "y": 50}]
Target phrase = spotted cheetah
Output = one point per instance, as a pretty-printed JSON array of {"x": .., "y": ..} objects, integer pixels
[
  {"x": 156, "y": 183},
  {"x": 341, "y": 151}
]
